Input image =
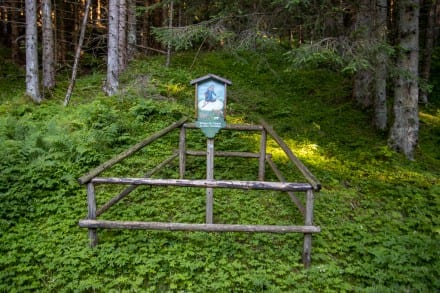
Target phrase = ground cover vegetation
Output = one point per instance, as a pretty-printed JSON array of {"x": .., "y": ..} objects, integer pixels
[{"x": 378, "y": 211}]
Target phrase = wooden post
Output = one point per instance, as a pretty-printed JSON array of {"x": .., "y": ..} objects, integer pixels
[
  {"x": 182, "y": 152},
  {"x": 262, "y": 161},
  {"x": 307, "y": 252},
  {"x": 209, "y": 176},
  {"x": 91, "y": 204}
]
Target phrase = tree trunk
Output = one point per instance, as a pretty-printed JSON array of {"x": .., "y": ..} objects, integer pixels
[
  {"x": 112, "y": 83},
  {"x": 77, "y": 54},
  {"x": 131, "y": 29},
  {"x": 429, "y": 37},
  {"x": 380, "y": 99},
  {"x": 145, "y": 26},
  {"x": 122, "y": 38},
  {"x": 15, "y": 48},
  {"x": 75, "y": 6},
  {"x": 97, "y": 14},
  {"x": 60, "y": 31},
  {"x": 48, "y": 46},
  {"x": 32, "y": 80},
  {"x": 363, "y": 79},
  {"x": 170, "y": 26},
  {"x": 3, "y": 23},
  {"x": 405, "y": 130}
]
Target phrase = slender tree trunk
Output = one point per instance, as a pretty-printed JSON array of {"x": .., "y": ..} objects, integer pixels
[
  {"x": 145, "y": 26},
  {"x": 61, "y": 35},
  {"x": 3, "y": 23},
  {"x": 14, "y": 32},
  {"x": 122, "y": 38},
  {"x": 48, "y": 46},
  {"x": 363, "y": 79},
  {"x": 97, "y": 14},
  {"x": 32, "y": 80},
  {"x": 76, "y": 16},
  {"x": 425, "y": 67},
  {"x": 170, "y": 26},
  {"x": 179, "y": 14},
  {"x": 131, "y": 29},
  {"x": 77, "y": 54},
  {"x": 405, "y": 130},
  {"x": 380, "y": 99},
  {"x": 112, "y": 83}
]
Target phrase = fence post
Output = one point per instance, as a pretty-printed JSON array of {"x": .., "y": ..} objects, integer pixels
[
  {"x": 91, "y": 204},
  {"x": 307, "y": 252},
  {"x": 209, "y": 175},
  {"x": 262, "y": 161},
  {"x": 182, "y": 151}
]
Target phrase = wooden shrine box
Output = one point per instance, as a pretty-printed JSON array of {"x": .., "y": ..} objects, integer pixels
[{"x": 210, "y": 103}]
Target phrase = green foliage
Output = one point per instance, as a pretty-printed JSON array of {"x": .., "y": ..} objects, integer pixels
[
  {"x": 377, "y": 211},
  {"x": 291, "y": 4},
  {"x": 184, "y": 38},
  {"x": 341, "y": 54}
]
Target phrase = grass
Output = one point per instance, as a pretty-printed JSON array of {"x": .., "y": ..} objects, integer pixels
[{"x": 378, "y": 212}]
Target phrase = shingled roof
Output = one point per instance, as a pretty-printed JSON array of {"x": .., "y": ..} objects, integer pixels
[{"x": 211, "y": 76}]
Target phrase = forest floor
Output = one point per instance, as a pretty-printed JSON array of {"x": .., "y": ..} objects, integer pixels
[{"x": 378, "y": 212}]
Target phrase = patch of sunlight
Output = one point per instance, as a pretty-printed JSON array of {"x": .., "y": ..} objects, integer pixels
[
  {"x": 238, "y": 120},
  {"x": 311, "y": 153},
  {"x": 307, "y": 152},
  {"x": 277, "y": 153},
  {"x": 430, "y": 119},
  {"x": 174, "y": 89}
]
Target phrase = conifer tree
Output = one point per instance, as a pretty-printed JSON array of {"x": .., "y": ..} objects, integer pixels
[
  {"x": 405, "y": 130},
  {"x": 32, "y": 79}
]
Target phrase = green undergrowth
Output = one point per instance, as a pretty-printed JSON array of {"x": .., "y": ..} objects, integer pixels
[{"x": 377, "y": 211}]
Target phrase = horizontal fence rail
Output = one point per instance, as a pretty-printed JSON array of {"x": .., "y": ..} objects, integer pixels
[
  {"x": 196, "y": 227},
  {"x": 244, "y": 127},
  {"x": 234, "y": 184}
]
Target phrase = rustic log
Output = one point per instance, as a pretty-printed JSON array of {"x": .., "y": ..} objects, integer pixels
[
  {"x": 91, "y": 215},
  {"x": 101, "y": 168},
  {"x": 224, "y": 154},
  {"x": 234, "y": 184},
  {"x": 244, "y": 127},
  {"x": 282, "y": 179},
  {"x": 262, "y": 159},
  {"x": 307, "y": 251},
  {"x": 302, "y": 168},
  {"x": 196, "y": 227},
  {"x": 130, "y": 188}
]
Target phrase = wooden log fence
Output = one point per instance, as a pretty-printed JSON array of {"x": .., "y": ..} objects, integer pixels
[{"x": 91, "y": 179}]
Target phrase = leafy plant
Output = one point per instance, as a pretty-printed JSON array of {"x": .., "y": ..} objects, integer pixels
[{"x": 378, "y": 213}]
